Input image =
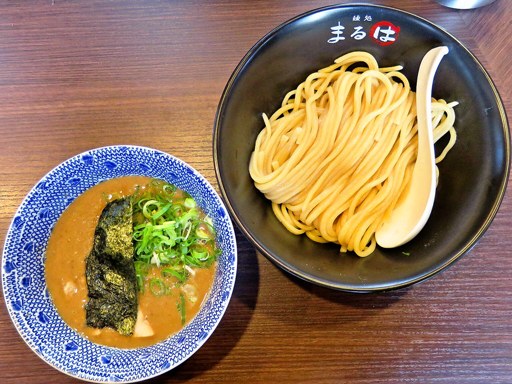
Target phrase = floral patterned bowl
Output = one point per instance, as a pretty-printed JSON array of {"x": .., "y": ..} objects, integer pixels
[{"x": 23, "y": 278}]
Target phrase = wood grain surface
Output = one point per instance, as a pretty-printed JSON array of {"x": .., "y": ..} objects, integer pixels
[{"x": 78, "y": 75}]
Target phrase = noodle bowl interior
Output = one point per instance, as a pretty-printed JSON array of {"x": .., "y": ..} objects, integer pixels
[
  {"x": 65, "y": 267},
  {"x": 338, "y": 155}
]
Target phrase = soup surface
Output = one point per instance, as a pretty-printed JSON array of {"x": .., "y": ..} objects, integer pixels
[{"x": 70, "y": 243}]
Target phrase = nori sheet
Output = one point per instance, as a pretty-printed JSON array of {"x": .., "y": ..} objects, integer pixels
[{"x": 110, "y": 271}]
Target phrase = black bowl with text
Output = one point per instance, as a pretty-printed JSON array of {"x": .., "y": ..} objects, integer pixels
[{"x": 473, "y": 177}]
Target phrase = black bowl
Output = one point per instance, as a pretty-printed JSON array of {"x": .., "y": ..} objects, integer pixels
[{"x": 473, "y": 177}]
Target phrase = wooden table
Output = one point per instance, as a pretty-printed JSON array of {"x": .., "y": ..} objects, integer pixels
[{"x": 74, "y": 76}]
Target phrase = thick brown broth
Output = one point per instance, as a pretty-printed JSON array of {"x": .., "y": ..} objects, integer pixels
[{"x": 70, "y": 243}]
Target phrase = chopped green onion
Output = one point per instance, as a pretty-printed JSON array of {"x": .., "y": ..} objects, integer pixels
[
  {"x": 157, "y": 287},
  {"x": 171, "y": 232},
  {"x": 140, "y": 283},
  {"x": 181, "y": 308},
  {"x": 141, "y": 270},
  {"x": 161, "y": 211},
  {"x": 204, "y": 231},
  {"x": 189, "y": 203},
  {"x": 180, "y": 275},
  {"x": 169, "y": 189},
  {"x": 200, "y": 256}
]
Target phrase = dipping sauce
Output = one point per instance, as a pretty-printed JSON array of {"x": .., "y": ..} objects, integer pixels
[{"x": 69, "y": 245}]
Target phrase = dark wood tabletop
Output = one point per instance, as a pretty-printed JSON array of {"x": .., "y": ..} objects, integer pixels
[{"x": 80, "y": 75}]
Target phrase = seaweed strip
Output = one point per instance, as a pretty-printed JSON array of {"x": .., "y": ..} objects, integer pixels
[{"x": 110, "y": 271}]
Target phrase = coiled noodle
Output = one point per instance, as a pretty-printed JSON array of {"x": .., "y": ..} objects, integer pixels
[{"x": 338, "y": 154}]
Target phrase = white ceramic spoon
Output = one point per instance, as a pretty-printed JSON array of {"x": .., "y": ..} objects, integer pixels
[{"x": 410, "y": 216}]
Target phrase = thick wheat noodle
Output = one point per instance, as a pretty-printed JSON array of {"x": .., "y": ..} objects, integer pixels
[{"x": 338, "y": 154}]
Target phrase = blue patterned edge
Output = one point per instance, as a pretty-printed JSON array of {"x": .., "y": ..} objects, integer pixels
[{"x": 25, "y": 293}]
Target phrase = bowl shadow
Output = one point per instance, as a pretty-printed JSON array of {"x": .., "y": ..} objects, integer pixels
[{"x": 377, "y": 299}]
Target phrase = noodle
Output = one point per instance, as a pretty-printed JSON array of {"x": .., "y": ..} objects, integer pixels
[{"x": 338, "y": 154}]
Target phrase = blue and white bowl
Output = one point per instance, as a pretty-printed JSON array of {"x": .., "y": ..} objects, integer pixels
[{"x": 23, "y": 277}]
